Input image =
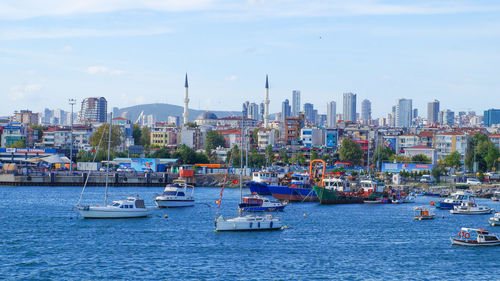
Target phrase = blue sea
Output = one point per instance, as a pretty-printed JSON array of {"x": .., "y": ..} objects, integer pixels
[{"x": 42, "y": 238}]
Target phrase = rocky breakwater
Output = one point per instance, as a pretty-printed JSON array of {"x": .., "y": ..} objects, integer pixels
[{"x": 217, "y": 180}]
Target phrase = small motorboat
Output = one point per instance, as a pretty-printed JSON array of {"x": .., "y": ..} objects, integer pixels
[
  {"x": 495, "y": 220},
  {"x": 496, "y": 196},
  {"x": 470, "y": 208},
  {"x": 130, "y": 208},
  {"x": 483, "y": 238},
  {"x": 256, "y": 203},
  {"x": 409, "y": 199},
  {"x": 176, "y": 195},
  {"x": 248, "y": 223},
  {"x": 423, "y": 213}
]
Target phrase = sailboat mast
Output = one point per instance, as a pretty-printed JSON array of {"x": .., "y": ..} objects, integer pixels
[
  {"x": 241, "y": 156},
  {"x": 107, "y": 162}
]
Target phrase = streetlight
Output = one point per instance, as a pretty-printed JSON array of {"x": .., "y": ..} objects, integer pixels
[{"x": 71, "y": 102}]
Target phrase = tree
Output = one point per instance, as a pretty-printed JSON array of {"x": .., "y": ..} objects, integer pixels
[
  {"x": 452, "y": 160},
  {"x": 382, "y": 154},
  {"x": 351, "y": 151},
  {"x": 269, "y": 153},
  {"x": 186, "y": 154},
  {"x": 160, "y": 153},
  {"x": 101, "y": 135},
  {"x": 420, "y": 158},
  {"x": 136, "y": 134},
  {"x": 18, "y": 144},
  {"x": 145, "y": 136},
  {"x": 480, "y": 148},
  {"x": 285, "y": 159},
  {"x": 235, "y": 152},
  {"x": 213, "y": 140},
  {"x": 314, "y": 155},
  {"x": 436, "y": 172},
  {"x": 256, "y": 160}
]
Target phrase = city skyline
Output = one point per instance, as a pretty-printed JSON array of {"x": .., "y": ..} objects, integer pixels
[{"x": 138, "y": 53}]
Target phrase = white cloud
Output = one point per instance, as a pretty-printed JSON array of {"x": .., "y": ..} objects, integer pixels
[
  {"x": 67, "y": 49},
  {"x": 22, "y": 92},
  {"x": 22, "y": 9},
  {"x": 231, "y": 78},
  {"x": 34, "y": 33},
  {"x": 99, "y": 69}
]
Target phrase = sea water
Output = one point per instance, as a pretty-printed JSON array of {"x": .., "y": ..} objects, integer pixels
[{"x": 42, "y": 238}]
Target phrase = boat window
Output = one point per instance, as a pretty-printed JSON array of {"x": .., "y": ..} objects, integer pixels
[
  {"x": 131, "y": 206},
  {"x": 126, "y": 206},
  {"x": 140, "y": 204},
  {"x": 490, "y": 238},
  {"x": 121, "y": 207},
  {"x": 115, "y": 204}
]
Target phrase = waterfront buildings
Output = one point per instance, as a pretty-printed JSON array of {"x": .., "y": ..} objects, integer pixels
[
  {"x": 432, "y": 112},
  {"x": 349, "y": 107},
  {"x": 94, "y": 110},
  {"x": 311, "y": 137},
  {"x": 331, "y": 114},
  {"x": 404, "y": 112},
  {"x": 295, "y": 103},
  {"x": 25, "y": 117}
]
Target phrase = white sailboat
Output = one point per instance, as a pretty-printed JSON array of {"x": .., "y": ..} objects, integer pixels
[
  {"x": 244, "y": 222},
  {"x": 129, "y": 208}
]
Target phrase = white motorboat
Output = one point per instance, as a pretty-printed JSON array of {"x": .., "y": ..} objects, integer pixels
[
  {"x": 130, "y": 208},
  {"x": 495, "y": 220},
  {"x": 496, "y": 196},
  {"x": 454, "y": 199},
  {"x": 176, "y": 195},
  {"x": 257, "y": 203},
  {"x": 470, "y": 208},
  {"x": 409, "y": 199},
  {"x": 248, "y": 223},
  {"x": 120, "y": 209},
  {"x": 483, "y": 238}
]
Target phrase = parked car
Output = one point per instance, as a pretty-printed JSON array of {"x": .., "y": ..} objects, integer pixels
[
  {"x": 427, "y": 179},
  {"x": 473, "y": 181}
]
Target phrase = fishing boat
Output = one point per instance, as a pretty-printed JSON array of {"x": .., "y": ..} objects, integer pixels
[
  {"x": 248, "y": 223},
  {"x": 470, "y": 208},
  {"x": 483, "y": 238},
  {"x": 423, "y": 213},
  {"x": 130, "y": 208},
  {"x": 335, "y": 191},
  {"x": 410, "y": 198},
  {"x": 176, "y": 195},
  {"x": 257, "y": 203},
  {"x": 454, "y": 199},
  {"x": 299, "y": 189},
  {"x": 495, "y": 220},
  {"x": 261, "y": 180}
]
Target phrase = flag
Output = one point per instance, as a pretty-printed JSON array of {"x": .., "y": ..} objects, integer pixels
[{"x": 235, "y": 181}]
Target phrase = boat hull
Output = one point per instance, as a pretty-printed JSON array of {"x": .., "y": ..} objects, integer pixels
[
  {"x": 293, "y": 194},
  {"x": 258, "y": 187},
  {"x": 494, "y": 222},
  {"x": 263, "y": 209},
  {"x": 473, "y": 243},
  {"x": 174, "y": 203},
  {"x": 445, "y": 206},
  {"x": 236, "y": 225},
  {"x": 485, "y": 212},
  {"x": 104, "y": 213},
  {"x": 326, "y": 196},
  {"x": 421, "y": 218}
]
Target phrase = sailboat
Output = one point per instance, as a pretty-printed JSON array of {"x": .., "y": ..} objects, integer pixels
[
  {"x": 244, "y": 222},
  {"x": 131, "y": 207}
]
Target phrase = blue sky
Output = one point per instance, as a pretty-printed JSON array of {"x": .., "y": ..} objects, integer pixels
[{"x": 135, "y": 52}]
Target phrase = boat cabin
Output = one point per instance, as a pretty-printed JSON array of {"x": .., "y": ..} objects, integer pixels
[
  {"x": 337, "y": 184},
  {"x": 370, "y": 186},
  {"x": 267, "y": 177},
  {"x": 299, "y": 180},
  {"x": 460, "y": 197},
  {"x": 130, "y": 203}
]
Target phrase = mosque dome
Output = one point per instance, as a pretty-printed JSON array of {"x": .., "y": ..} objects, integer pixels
[{"x": 207, "y": 115}]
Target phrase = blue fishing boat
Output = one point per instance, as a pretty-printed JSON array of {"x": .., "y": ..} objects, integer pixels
[
  {"x": 455, "y": 199},
  {"x": 261, "y": 180},
  {"x": 299, "y": 190}
]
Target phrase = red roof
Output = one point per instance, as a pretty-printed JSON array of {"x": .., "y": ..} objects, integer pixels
[
  {"x": 119, "y": 118},
  {"x": 494, "y": 136},
  {"x": 426, "y": 134}
]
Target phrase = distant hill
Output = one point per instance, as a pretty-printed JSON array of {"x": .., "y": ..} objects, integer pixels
[{"x": 161, "y": 111}]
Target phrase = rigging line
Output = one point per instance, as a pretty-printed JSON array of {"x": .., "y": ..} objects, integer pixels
[
  {"x": 223, "y": 185},
  {"x": 88, "y": 176}
]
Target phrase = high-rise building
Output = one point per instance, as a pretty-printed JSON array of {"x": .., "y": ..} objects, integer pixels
[
  {"x": 245, "y": 108},
  {"x": 309, "y": 112},
  {"x": 404, "y": 111},
  {"x": 350, "y": 107},
  {"x": 295, "y": 103},
  {"x": 366, "y": 111},
  {"x": 253, "y": 111},
  {"x": 449, "y": 117},
  {"x": 415, "y": 113},
  {"x": 433, "y": 112},
  {"x": 331, "y": 113},
  {"x": 285, "y": 110},
  {"x": 94, "y": 110},
  {"x": 491, "y": 117},
  {"x": 262, "y": 111}
]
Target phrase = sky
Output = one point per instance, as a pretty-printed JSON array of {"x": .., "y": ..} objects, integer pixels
[{"x": 136, "y": 52}]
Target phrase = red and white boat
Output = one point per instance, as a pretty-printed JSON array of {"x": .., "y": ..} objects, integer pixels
[{"x": 483, "y": 238}]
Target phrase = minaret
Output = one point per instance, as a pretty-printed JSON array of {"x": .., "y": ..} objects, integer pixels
[
  {"x": 185, "y": 115},
  {"x": 266, "y": 105}
]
